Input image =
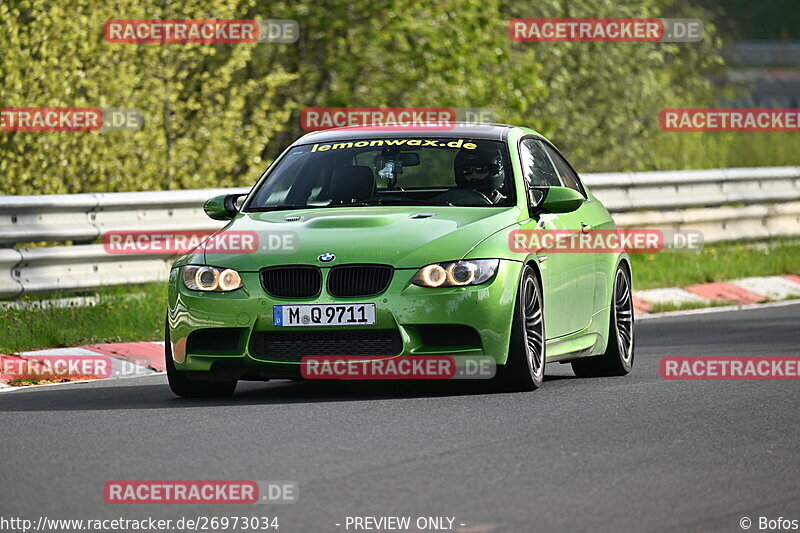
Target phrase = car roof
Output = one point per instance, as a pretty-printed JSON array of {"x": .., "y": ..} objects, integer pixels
[{"x": 489, "y": 132}]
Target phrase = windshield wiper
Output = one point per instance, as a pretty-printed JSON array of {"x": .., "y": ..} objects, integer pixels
[
  {"x": 383, "y": 201},
  {"x": 365, "y": 203},
  {"x": 279, "y": 207}
]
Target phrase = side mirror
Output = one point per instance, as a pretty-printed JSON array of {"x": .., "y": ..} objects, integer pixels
[
  {"x": 222, "y": 207},
  {"x": 556, "y": 199}
]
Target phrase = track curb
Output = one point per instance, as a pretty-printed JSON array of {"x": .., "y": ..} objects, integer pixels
[
  {"x": 742, "y": 291},
  {"x": 740, "y": 294}
]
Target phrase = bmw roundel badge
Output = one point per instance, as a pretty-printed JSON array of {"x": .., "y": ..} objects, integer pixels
[{"x": 326, "y": 258}]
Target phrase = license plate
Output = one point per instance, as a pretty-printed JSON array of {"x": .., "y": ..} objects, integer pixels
[{"x": 324, "y": 315}]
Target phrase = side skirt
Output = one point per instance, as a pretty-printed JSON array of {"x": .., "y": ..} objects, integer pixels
[{"x": 584, "y": 343}]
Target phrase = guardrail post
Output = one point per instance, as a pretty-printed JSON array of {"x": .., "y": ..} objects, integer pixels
[{"x": 10, "y": 286}]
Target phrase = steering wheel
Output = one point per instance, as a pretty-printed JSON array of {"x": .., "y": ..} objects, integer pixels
[
  {"x": 460, "y": 196},
  {"x": 480, "y": 195}
]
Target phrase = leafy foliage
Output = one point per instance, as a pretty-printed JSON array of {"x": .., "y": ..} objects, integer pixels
[
  {"x": 208, "y": 108},
  {"x": 217, "y": 114}
]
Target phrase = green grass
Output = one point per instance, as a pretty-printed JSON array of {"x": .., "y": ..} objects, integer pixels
[
  {"x": 126, "y": 314},
  {"x": 725, "y": 150},
  {"x": 122, "y": 314},
  {"x": 687, "y": 306},
  {"x": 662, "y": 307},
  {"x": 36, "y": 381},
  {"x": 717, "y": 262}
]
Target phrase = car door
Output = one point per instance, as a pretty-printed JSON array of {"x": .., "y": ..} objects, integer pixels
[
  {"x": 594, "y": 218},
  {"x": 568, "y": 277}
]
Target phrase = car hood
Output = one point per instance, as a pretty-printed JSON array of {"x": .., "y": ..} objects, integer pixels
[{"x": 402, "y": 237}]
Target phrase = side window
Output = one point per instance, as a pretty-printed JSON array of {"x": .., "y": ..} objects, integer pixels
[
  {"x": 536, "y": 166},
  {"x": 568, "y": 177}
]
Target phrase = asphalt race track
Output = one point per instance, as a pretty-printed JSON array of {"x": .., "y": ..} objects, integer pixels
[{"x": 636, "y": 453}]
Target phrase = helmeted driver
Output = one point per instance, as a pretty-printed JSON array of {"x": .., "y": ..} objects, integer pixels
[{"x": 481, "y": 170}]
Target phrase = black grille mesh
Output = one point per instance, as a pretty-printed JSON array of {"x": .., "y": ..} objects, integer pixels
[
  {"x": 292, "y": 281},
  {"x": 355, "y": 281},
  {"x": 292, "y": 345}
]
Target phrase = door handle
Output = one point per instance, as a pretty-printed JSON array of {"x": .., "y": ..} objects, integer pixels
[{"x": 585, "y": 228}]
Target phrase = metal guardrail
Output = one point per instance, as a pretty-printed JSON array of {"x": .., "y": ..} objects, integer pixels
[
  {"x": 86, "y": 217},
  {"x": 83, "y": 219},
  {"x": 764, "y": 54},
  {"x": 726, "y": 204}
]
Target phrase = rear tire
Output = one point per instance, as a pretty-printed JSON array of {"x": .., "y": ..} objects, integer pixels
[
  {"x": 185, "y": 388},
  {"x": 618, "y": 358},
  {"x": 524, "y": 369}
]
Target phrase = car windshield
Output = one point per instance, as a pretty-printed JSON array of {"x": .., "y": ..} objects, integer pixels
[{"x": 391, "y": 171}]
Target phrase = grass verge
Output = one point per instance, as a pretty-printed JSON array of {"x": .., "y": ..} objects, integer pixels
[
  {"x": 716, "y": 262},
  {"x": 121, "y": 314},
  {"x": 723, "y": 150},
  {"x": 124, "y": 314},
  {"x": 663, "y": 307}
]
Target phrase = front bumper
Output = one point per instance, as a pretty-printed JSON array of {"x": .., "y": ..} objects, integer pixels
[{"x": 224, "y": 332}]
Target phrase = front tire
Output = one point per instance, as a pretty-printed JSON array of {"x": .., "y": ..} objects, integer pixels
[
  {"x": 524, "y": 369},
  {"x": 185, "y": 388},
  {"x": 618, "y": 358}
]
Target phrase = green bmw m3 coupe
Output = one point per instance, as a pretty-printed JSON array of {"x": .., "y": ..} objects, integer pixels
[{"x": 398, "y": 243}]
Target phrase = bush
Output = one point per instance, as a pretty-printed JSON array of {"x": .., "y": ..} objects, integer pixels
[{"x": 216, "y": 115}]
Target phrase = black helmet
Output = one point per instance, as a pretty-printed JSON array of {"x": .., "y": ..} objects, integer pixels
[{"x": 482, "y": 159}]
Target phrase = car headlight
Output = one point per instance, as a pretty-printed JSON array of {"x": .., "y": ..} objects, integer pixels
[
  {"x": 456, "y": 273},
  {"x": 208, "y": 278}
]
